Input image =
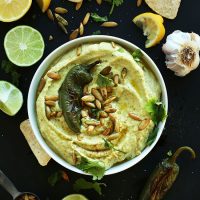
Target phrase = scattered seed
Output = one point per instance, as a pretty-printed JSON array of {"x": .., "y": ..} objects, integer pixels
[
  {"x": 88, "y": 98},
  {"x": 144, "y": 123},
  {"x": 53, "y": 114},
  {"x": 92, "y": 122},
  {"x": 103, "y": 114},
  {"x": 109, "y": 100},
  {"x": 139, "y": 2},
  {"x": 123, "y": 73},
  {"x": 42, "y": 84},
  {"x": 110, "y": 110},
  {"x": 86, "y": 18},
  {"x": 78, "y": 5},
  {"x": 109, "y": 24},
  {"x": 105, "y": 71},
  {"x": 61, "y": 19},
  {"x": 62, "y": 27},
  {"x": 74, "y": 34},
  {"x": 50, "y": 14},
  {"x": 116, "y": 79},
  {"x": 109, "y": 89},
  {"x": 48, "y": 112},
  {"x": 85, "y": 90},
  {"x": 75, "y": 1},
  {"x": 113, "y": 44},
  {"x": 135, "y": 117},
  {"x": 81, "y": 29},
  {"x": 90, "y": 129},
  {"x": 97, "y": 94},
  {"x": 99, "y": 2},
  {"x": 51, "y": 98},
  {"x": 104, "y": 92},
  {"x": 98, "y": 104},
  {"x": 78, "y": 51},
  {"x": 107, "y": 131},
  {"x": 61, "y": 10},
  {"x": 59, "y": 114},
  {"x": 50, "y": 37},
  {"x": 84, "y": 113},
  {"x": 50, "y": 103},
  {"x": 107, "y": 106},
  {"x": 92, "y": 105},
  {"x": 53, "y": 75}
]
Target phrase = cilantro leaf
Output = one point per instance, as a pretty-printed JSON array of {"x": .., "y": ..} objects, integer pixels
[
  {"x": 98, "y": 18},
  {"x": 82, "y": 184},
  {"x": 94, "y": 168},
  {"x": 10, "y": 68},
  {"x": 103, "y": 81},
  {"x": 137, "y": 55},
  {"x": 114, "y": 3},
  {"x": 156, "y": 110},
  {"x": 110, "y": 145}
]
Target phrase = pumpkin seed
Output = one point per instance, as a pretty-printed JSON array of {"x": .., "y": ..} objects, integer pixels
[
  {"x": 86, "y": 18},
  {"x": 106, "y": 132},
  {"x": 62, "y": 27},
  {"x": 135, "y": 117},
  {"x": 104, "y": 92},
  {"x": 109, "y": 100},
  {"x": 116, "y": 79},
  {"x": 48, "y": 112},
  {"x": 74, "y": 34},
  {"x": 88, "y": 98},
  {"x": 97, "y": 94},
  {"x": 124, "y": 73},
  {"x": 109, "y": 24},
  {"x": 99, "y": 2},
  {"x": 61, "y": 10},
  {"x": 50, "y": 103},
  {"x": 78, "y": 51},
  {"x": 92, "y": 122},
  {"x": 105, "y": 71},
  {"x": 103, "y": 114},
  {"x": 78, "y": 5},
  {"x": 81, "y": 29},
  {"x": 53, "y": 75},
  {"x": 51, "y": 98},
  {"x": 98, "y": 104},
  {"x": 61, "y": 19},
  {"x": 110, "y": 110},
  {"x": 144, "y": 123},
  {"x": 50, "y": 14},
  {"x": 42, "y": 84},
  {"x": 89, "y": 104}
]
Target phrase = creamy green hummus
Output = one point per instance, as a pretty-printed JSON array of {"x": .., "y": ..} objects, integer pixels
[{"x": 138, "y": 87}]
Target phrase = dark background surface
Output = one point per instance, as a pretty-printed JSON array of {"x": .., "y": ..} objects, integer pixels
[{"x": 182, "y": 128}]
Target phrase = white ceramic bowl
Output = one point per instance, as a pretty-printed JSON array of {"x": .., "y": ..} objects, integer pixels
[{"x": 60, "y": 51}]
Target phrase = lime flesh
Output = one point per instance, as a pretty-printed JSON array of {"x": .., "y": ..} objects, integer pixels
[
  {"x": 11, "y": 98},
  {"x": 24, "y": 45},
  {"x": 75, "y": 197}
]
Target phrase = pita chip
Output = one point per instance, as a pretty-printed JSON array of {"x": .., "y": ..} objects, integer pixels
[
  {"x": 165, "y": 8},
  {"x": 42, "y": 157}
]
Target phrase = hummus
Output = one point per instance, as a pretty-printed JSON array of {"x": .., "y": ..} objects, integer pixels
[{"x": 132, "y": 124}]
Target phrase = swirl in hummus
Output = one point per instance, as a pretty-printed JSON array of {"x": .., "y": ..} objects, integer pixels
[{"x": 110, "y": 132}]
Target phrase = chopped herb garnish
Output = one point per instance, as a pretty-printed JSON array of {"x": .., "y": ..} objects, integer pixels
[
  {"x": 94, "y": 168},
  {"x": 103, "y": 81},
  {"x": 121, "y": 50},
  {"x": 10, "y": 68},
  {"x": 156, "y": 110},
  {"x": 137, "y": 55},
  {"x": 98, "y": 18},
  {"x": 82, "y": 184},
  {"x": 57, "y": 176},
  {"x": 110, "y": 145},
  {"x": 114, "y": 3},
  {"x": 98, "y": 32}
]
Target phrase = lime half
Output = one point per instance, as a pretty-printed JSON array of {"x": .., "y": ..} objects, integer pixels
[
  {"x": 24, "y": 45},
  {"x": 11, "y": 98},
  {"x": 75, "y": 197}
]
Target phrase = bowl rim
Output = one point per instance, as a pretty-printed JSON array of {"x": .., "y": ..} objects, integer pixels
[{"x": 44, "y": 66}]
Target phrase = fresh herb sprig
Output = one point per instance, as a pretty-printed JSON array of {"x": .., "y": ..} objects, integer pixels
[
  {"x": 114, "y": 3},
  {"x": 98, "y": 18},
  {"x": 137, "y": 55},
  {"x": 95, "y": 168},
  {"x": 82, "y": 184}
]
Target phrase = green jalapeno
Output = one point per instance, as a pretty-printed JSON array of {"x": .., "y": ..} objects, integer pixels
[
  {"x": 70, "y": 94},
  {"x": 163, "y": 176}
]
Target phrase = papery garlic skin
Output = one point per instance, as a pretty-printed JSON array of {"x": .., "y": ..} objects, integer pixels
[{"x": 182, "y": 52}]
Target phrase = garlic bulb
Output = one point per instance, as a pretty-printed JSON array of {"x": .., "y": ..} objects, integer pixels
[{"x": 182, "y": 52}]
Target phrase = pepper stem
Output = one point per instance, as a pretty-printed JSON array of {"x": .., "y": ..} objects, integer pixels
[{"x": 179, "y": 151}]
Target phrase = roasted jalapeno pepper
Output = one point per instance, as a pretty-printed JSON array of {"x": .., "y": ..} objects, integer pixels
[
  {"x": 70, "y": 94},
  {"x": 163, "y": 177}
]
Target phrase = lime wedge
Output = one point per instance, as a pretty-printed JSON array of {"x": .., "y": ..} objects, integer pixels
[
  {"x": 24, "y": 45},
  {"x": 75, "y": 197},
  {"x": 11, "y": 98}
]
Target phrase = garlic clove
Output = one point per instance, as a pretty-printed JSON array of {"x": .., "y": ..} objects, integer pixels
[{"x": 182, "y": 52}]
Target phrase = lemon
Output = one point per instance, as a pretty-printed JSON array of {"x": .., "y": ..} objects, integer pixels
[
  {"x": 12, "y": 10},
  {"x": 75, "y": 197},
  {"x": 11, "y": 98},
  {"x": 43, "y": 4},
  {"x": 24, "y": 45},
  {"x": 153, "y": 28}
]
